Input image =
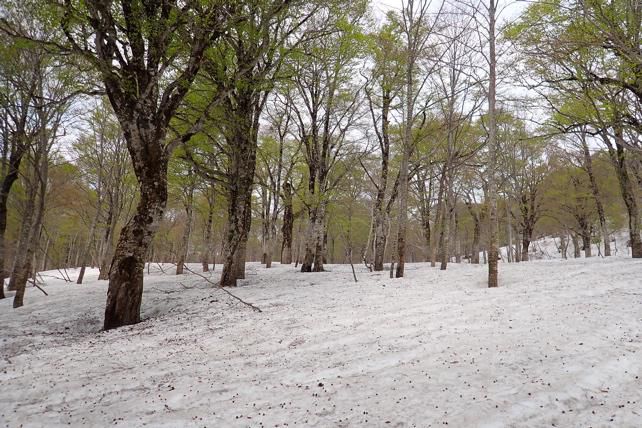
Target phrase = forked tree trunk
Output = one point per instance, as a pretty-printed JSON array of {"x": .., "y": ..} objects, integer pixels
[{"x": 125, "y": 290}]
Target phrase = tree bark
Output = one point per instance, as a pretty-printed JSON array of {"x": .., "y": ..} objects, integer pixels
[
  {"x": 125, "y": 291},
  {"x": 207, "y": 250},
  {"x": 5, "y": 189},
  {"x": 493, "y": 244},
  {"x": 288, "y": 224},
  {"x": 588, "y": 167},
  {"x": 187, "y": 230},
  {"x": 618, "y": 159}
]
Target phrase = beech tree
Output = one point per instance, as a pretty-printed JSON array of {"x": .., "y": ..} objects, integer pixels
[
  {"x": 132, "y": 45},
  {"x": 383, "y": 94},
  {"x": 325, "y": 107}
]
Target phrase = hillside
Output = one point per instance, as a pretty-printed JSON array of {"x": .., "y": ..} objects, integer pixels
[{"x": 559, "y": 343}]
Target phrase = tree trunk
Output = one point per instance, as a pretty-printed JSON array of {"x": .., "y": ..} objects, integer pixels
[
  {"x": 86, "y": 257},
  {"x": 380, "y": 234},
  {"x": 5, "y": 189},
  {"x": 576, "y": 246},
  {"x": 107, "y": 245},
  {"x": 125, "y": 291},
  {"x": 586, "y": 243},
  {"x": 207, "y": 250},
  {"x": 288, "y": 225},
  {"x": 242, "y": 138},
  {"x": 319, "y": 240},
  {"x": 24, "y": 240},
  {"x": 618, "y": 159},
  {"x": 239, "y": 206},
  {"x": 184, "y": 249},
  {"x": 526, "y": 243},
  {"x": 23, "y": 269},
  {"x": 588, "y": 167},
  {"x": 493, "y": 243}
]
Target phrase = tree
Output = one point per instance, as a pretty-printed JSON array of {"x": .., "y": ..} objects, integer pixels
[
  {"x": 325, "y": 104},
  {"x": 135, "y": 53},
  {"x": 417, "y": 27},
  {"x": 382, "y": 92}
]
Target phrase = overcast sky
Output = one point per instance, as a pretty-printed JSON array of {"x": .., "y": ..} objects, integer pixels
[{"x": 511, "y": 8}]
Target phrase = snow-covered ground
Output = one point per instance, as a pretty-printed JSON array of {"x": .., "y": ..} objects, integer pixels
[{"x": 558, "y": 344}]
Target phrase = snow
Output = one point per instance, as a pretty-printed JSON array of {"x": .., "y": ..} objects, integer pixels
[{"x": 559, "y": 343}]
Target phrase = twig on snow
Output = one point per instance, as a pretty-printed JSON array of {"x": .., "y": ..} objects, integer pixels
[
  {"x": 38, "y": 287},
  {"x": 257, "y": 309}
]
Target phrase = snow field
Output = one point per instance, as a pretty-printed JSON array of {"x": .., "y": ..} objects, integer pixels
[{"x": 559, "y": 343}]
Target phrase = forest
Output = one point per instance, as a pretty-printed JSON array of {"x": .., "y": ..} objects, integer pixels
[
  {"x": 322, "y": 164},
  {"x": 309, "y": 133}
]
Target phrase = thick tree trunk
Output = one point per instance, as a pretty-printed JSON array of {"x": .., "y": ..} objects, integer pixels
[
  {"x": 314, "y": 256},
  {"x": 310, "y": 241},
  {"x": 576, "y": 246},
  {"x": 288, "y": 225},
  {"x": 586, "y": 244},
  {"x": 239, "y": 206},
  {"x": 5, "y": 189},
  {"x": 526, "y": 243},
  {"x": 242, "y": 137},
  {"x": 618, "y": 159},
  {"x": 125, "y": 290}
]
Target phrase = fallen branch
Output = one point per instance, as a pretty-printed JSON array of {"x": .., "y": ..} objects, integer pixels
[
  {"x": 161, "y": 268},
  {"x": 223, "y": 289},
  {"x": 64, "y": 278},
  {"x": 38, "y": 287}
]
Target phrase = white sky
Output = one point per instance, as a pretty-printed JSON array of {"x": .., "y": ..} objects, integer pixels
[{"x": 511, "y": 10}]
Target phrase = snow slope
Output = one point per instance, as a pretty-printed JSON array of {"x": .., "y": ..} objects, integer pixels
[{"x": 558, "y": 344}]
